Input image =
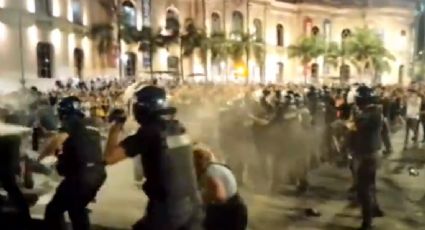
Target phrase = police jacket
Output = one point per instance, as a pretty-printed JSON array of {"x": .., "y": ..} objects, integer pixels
[
  {"x": 366, "y": 139},
  {"x": 81, "y": 150},
  {"x": 167, "y": 160}
]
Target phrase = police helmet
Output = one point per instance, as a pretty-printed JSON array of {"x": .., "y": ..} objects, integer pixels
[
  {"x": 151, "y": 101},
  {"x": 70, "y": 106},
  {"x": 365, "y": 96}
]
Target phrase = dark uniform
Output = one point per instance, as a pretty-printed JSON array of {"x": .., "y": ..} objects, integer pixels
[
  {"x": 167, "y": 159},
  {"x": 9, "y": 167},
  {"x": 365, "y": 143},
  {"x": 81, "y": 165}
]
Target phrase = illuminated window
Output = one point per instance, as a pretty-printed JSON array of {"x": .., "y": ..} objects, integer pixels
[
  {"x": 79, "y": 61},
  {"x": 44, "y": 59},
  {"x": 76, "y": 12},
  {"x": 308, "y": 22},
  {"x": 237, "y": 21},
  {"x": 215, "y": 23},
  {"x": 279, "y": 35},
  {"x": 129, "y": 15}
]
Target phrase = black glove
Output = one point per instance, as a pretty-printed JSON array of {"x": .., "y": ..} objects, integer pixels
[{"x": 118, "y": 116}]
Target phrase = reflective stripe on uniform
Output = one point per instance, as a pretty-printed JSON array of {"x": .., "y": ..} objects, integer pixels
[
  {"x": 178, "y": 141},
  {"x": 92, "y": 128}
]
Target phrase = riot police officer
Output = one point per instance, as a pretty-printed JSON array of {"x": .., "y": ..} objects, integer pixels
[
  {"x": 79, "y": 162},
  {"x": 166, "y": 153},
  {"x": 365, "y": 144}
]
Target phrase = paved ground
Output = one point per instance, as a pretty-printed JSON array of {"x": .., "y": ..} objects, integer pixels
[{"x": 402, "y": 197}]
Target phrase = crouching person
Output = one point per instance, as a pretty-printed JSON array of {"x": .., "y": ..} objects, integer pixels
[{"x": 225, "y": 209}]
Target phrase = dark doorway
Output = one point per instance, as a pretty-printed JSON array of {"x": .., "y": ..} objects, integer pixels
[
  {"x": 315, "y": 71},
  {"x": 79, "y": 62},
  {"x": 44, "y": 59},
  {"x": 130, "y": 65}
]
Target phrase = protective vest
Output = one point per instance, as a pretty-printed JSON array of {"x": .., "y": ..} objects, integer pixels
[{"x": 81, "y": 151}]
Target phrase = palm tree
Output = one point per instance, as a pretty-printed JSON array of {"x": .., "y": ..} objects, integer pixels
[
  {"x": 242, "y": 44},
  {"x": 366, "y": 50},
  {"x": 102, "y": 34},
  {"x": 307, "y": 49}
]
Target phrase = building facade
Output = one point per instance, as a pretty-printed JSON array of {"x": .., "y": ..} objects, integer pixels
[
  {"x": 280, "y": 24},
  {"x": 46, "y": 40}
]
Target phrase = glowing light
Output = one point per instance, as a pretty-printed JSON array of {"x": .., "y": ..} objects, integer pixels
[
  {"x": 2, "y": 3},
  {"x": 70, "y": 15},
  {"x": 32, "y": 34},
  {"x": 86, "y": 43},
  {"x": 56, "y": 9},
  {"x": 124, "y": 57},
  {"x": 31, "y": 6},
  {"x": 3, "y": 32},
  {"x": 56, "y": 38},
  {"x": 240, "y": 70}
]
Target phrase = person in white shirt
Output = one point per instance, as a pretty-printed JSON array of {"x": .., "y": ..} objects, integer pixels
[
  {"x": 413, "y": 110},
  {"x": 225, "y": 209}
]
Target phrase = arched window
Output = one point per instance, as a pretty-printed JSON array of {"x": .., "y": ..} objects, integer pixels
[
  {"x": 315, "y": 31},
  {"x": 79, "y": 61},
  {"x": 400, "y": 74},
  {"x": 279, "y": 35},
  {"x": 308, "y": 23},
  {"x": 280, "y": 71},
  {"x": 76, "y": 12},
  {"x": 237, "y": 21},
  {"x": 258, "y": 29},
  {"x": 345, "y": 33},
  {"x": 173, "y": 63},
  {"x": 344, "y": 72},
  {"x": 44, "y": 59},
  {"x": 172, "y": 22},
  {"x": 327, "y": 29},
  {"x": 43, "y": 6},
  {"x": 130, "y": 64},
  {"x": 215, "y": 23},
  {"x": 129, "y": 15},
  {"x": 314, "y": 70}
]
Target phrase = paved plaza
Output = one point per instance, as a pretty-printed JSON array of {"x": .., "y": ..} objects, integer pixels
[{"x": 402, "y": 197}]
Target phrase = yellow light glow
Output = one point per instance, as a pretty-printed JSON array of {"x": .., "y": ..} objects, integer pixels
[
  {"x": 56, "y": 38},
  {"x": 240, "y": 70},
  {"x": 32, "y": 34},
  {"x": 3, "y": 31},
  {"x": 56, "y": 10},
  {"x": 31, "y": 6}
]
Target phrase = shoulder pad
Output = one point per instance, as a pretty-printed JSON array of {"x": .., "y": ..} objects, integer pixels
[{"x": 178, "y": 141}]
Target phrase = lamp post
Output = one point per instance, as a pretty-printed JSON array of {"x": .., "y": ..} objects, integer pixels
[{"x": 21, "y": 52}]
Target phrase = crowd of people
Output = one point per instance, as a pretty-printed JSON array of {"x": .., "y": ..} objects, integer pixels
[{"x": 241, "y": 135}]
